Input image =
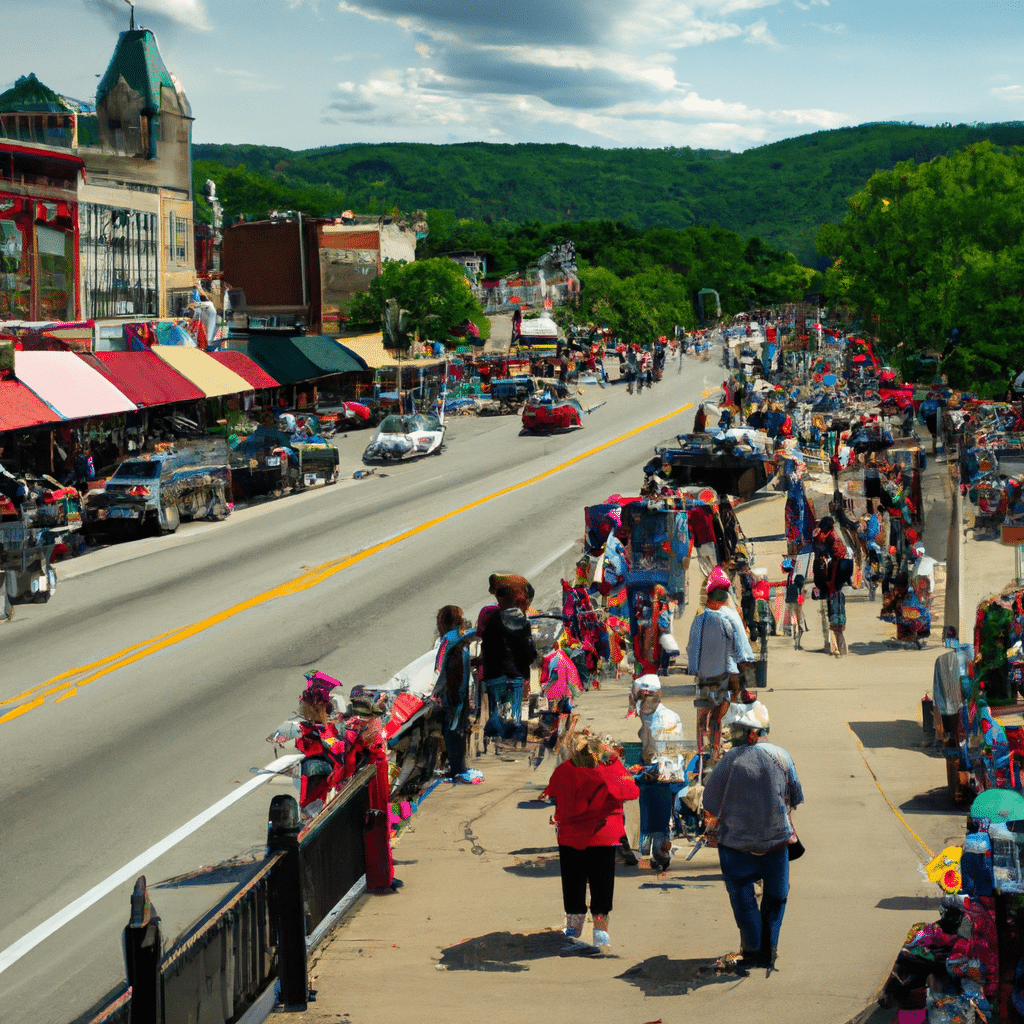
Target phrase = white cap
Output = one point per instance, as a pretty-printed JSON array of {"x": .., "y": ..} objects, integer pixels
[
  {"x": 754, "y": 717},
  {"x": 647, "y": 682}
]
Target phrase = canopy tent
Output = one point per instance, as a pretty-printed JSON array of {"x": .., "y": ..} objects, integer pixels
[
  {"x": 20, "y": 408},
  {"x": 144, "y": 378},
  {"x": 241, "y": 364},
  {"x": 211, "y": 377},
  {"x": 539, "y": 327},
  {"x": 370, "y": 349},
  {"x": 69, "y": 385}
]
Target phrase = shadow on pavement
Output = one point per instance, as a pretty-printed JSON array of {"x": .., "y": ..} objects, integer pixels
[
  {"x": 544, "y": 866},
  {"x": 900, "y": 734},
  {"x": 663, "y": 976},
  {"x": 502, "y": 951},
  {"x": 870, "y": 647},
  {"x": 935, "y": 801},
  {"x": 929, "y": 904}
]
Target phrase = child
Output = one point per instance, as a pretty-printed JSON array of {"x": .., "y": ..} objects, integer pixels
[{"x": 795, "y": 608}]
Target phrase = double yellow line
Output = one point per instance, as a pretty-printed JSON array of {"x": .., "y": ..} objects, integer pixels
[{"x": 67, "y": 684}]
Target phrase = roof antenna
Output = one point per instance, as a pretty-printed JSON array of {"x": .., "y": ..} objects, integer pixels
[{"x": 131, "y": 19}]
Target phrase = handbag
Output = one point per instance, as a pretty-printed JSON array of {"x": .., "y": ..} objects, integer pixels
[{"x": 796, "y": 849}]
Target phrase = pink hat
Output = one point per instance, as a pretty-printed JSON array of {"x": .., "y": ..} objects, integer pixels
[{"x": 718, "y": 580}]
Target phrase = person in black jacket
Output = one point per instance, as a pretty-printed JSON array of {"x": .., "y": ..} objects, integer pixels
[{"x": 506, "y": 654}]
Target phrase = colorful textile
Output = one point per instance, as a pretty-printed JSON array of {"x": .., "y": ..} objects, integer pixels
[{"x": 559, "y": 677}]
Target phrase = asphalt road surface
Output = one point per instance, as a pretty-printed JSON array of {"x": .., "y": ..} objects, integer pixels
[{"x": 141, "y": 695}]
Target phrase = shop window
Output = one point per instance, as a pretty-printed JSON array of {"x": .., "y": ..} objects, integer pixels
[{"x": 56, "y": 273}]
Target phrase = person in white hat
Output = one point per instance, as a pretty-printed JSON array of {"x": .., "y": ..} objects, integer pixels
[{"x": 751, "y": 791}]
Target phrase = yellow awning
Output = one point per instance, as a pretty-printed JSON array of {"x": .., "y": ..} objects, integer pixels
[
  {"x": 211, "y": 377},
  {"x": 370, "y": 347}
]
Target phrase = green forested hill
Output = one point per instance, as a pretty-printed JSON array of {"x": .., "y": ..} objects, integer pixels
[{"x": 781, "y": 192}]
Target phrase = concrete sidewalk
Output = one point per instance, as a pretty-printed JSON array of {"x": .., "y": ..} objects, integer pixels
[{"x": 472, "y": 934}]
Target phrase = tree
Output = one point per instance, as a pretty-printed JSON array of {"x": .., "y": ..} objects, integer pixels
[
  {"x": 433, "y": 295},
  {"x": 927, "y": 248}
]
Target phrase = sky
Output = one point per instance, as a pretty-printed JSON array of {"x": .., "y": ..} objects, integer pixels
[{"x": 719, "y": 74}]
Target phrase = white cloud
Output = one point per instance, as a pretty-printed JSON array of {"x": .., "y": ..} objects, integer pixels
[
  {"x": 191, "y": 13},
  {"x": 1009, "y": 92},
  {"x": 760, "y": 34},
  {"x": 838, "y": 29}
]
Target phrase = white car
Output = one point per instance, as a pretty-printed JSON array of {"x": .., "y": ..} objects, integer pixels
[{"x": 405, "y": 437}]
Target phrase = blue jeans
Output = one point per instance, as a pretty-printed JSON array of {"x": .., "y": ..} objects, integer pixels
[
  {"x": 499, "y": 690},
  {"x": 759, "y": 927}
]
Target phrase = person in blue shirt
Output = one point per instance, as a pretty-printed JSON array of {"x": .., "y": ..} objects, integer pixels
[{"x": 752, "y": 792}]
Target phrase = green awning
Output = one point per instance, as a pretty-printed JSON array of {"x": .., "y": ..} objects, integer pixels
[
  {"x": 330, "y": 355},
  {"x": 281, "y": 359},
  {"x": 291, "y": 360}
]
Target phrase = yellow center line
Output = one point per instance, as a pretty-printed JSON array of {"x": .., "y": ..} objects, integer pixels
[
  {"x": 74, "y": 679},
  {"x": 892, "y": 807}
]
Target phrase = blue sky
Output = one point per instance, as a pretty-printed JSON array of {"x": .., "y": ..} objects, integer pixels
[{"x": 725, "y": 74}]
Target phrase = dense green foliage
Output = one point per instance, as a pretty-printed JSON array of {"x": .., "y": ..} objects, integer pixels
[
  {"x": 780, "y": 192},
  {"x": 926, "y": 249},
  {"x": 433, "y": 295}
]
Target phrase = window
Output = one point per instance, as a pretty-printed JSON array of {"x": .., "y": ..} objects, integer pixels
[
  {"x": 181, "y": 240},
  {"x": 177, "y": 239}
]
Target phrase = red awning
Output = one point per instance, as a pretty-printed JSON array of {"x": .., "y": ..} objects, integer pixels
[
  {"x": 248, "y": 370},
  {"x": 144, "y": 378},
  {"x": 45, "y": 154},
  {"x": 20, "y": 408}
]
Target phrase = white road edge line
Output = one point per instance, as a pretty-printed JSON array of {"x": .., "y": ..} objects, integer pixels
[
  {"x": 540, "y": 567},
  {"x": 13, "y": 953}
]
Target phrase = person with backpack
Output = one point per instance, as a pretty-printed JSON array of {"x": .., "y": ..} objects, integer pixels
[{"x": 506, "y": 654}]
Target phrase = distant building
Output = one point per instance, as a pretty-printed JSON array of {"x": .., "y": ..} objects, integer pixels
[
  {"x": 474, "y": 263},
  {"x": 123, "y": 193},
  {"x": 300, "y": 270}
]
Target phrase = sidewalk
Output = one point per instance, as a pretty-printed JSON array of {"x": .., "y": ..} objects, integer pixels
[{"x": 481, "y": 902}]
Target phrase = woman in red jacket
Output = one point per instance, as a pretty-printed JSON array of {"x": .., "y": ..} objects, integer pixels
[{"x": 589, "y": 790}]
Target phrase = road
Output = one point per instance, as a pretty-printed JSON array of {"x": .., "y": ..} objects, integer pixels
[{"x": 142, "y": 694}]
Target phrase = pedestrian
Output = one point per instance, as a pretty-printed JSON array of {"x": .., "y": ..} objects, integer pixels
[
  {"x": 506, "y": 652},
  {"x": 752, "y": 792},
  {"x": 716, "y": 651},
  {"x": 455, "y": 689},
  {"x": 797, "y": 622},
  {"x": 589, "y": 790},
  {"x": 632, "y": 369},
  {"x": 832, "y": 570},
  {"x": 700, "y": 420}
]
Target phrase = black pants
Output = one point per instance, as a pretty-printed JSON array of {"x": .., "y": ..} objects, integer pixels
[
  {"x": 596, "y": 865},
  {"x": 455, "y": 745}
]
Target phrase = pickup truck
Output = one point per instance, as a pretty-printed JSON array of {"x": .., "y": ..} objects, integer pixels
[{"x": 153, "y": 494}]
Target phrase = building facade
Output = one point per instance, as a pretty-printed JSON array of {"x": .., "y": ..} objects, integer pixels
[{"x": 131, "y": 226}]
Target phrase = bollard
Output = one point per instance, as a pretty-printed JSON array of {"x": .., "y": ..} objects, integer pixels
[
  {"x": 142, "y": 958},
  {"x": 286, "y": 906},
  {"x": 927, "y": 720}
]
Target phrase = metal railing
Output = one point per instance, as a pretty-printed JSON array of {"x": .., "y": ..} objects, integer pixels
[{"x": 251, "y": 948}]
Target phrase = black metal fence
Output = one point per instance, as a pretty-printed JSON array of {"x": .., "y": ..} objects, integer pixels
[{"x": 255, "y": 940}]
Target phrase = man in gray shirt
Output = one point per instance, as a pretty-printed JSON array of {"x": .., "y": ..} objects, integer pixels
[{"x": 751, "y": 791}]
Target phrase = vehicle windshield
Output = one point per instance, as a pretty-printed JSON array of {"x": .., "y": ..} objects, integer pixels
[{"x": 137, "y": 470}]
